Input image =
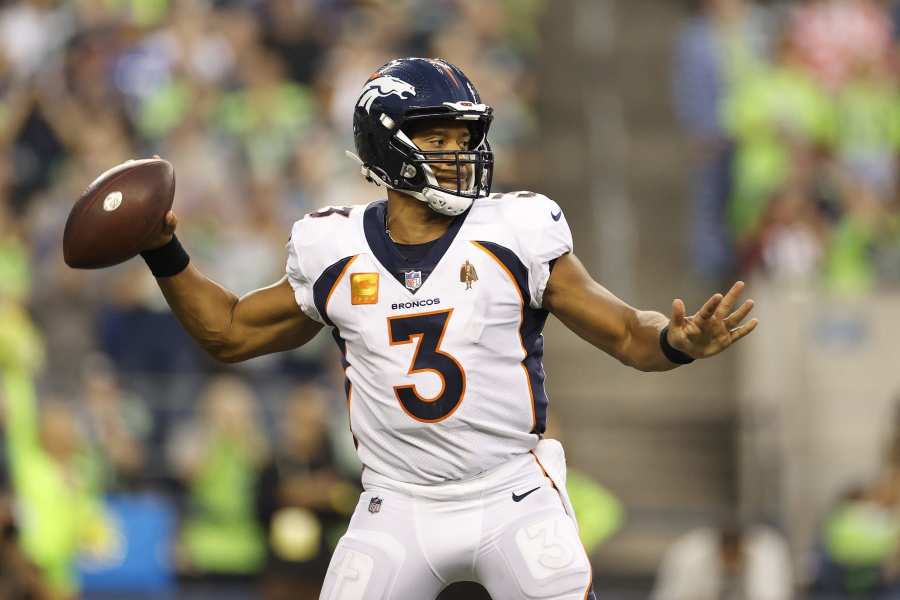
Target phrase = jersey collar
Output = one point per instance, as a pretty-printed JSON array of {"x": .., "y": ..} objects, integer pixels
[{"x": 388, "y": 255}]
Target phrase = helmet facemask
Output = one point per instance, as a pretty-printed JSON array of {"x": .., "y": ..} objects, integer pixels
[{"x": 470, "y": 173}]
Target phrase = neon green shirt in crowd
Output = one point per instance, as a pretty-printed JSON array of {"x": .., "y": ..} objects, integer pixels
[
  {"x": 221, "y": 535},
  {"x": 763, "y": 112},
  {"x": 862, "y": 537},
  {"x": 57, "y": 512},
  {"x": 868, "y": 112},
  {"x": 599, "y": 513}
]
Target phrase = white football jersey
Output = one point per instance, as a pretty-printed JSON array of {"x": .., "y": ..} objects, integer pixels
[{"x": 442, "y": 352}]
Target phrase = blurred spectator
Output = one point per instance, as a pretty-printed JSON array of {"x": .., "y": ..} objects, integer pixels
[
  {"x": 19, "y": 578},
  {"x": 859, "y": 550},
  {"x": 720, "y": 41},
  {"x": 888, "y": 494},
  {"x": 729, "y": 562},
  {"x": 49, "y": 462},
  {"x": 860, "y": 535},
  {"x": 790, "y": 245},
  {"x": 252, "y": 103},
  {"x": 116, "y": 424},
  {"x": 779, "y": 118},
  {"x": 303, "y": 501},
  {"x": 800, "y": 146},
  {"x": 834, "y": 37},
  {"x": 299, "y": 32},
  {"x": 867, "y": 136},
  {"x": 218, "y": 458}
]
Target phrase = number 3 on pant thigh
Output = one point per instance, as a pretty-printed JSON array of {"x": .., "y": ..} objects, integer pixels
[
  {"x": 547, "y": 557},
  {"x": 363, "y": 567}
]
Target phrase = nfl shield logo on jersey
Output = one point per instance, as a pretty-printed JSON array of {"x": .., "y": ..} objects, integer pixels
[
  {"x": 412, "y": 279},
  {"x": 375, "y": 505}
]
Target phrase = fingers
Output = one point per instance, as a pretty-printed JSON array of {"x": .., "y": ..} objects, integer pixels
[
  {"x": 709, "y": 309},
  {"x": 677, "y": 312},
  {"x": 735, "y": 318},
  {"x": 171, "y": 222},
  {"x": 744, "y": 330},
  {"x": 729, "y": 299}
]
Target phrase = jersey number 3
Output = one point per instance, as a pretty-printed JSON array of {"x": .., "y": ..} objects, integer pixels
[{"x": 429, "y": 328}]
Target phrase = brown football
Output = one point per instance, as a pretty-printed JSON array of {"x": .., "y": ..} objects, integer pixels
[{"x": 118, "y": 213}]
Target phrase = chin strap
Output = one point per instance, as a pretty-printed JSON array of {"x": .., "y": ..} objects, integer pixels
[
  {"x": 442, "y": 202},
  {"x": 438, "y": 201}
]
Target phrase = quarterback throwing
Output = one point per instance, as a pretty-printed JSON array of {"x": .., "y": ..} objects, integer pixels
[{"x": 437, "y": 297}]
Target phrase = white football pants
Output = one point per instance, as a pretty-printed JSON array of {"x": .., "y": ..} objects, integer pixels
[{"x": 510, "y": 529}]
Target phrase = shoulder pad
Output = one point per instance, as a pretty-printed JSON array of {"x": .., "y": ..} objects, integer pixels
[
  {"x": 325, "y": 223},
  {"x": 529, "y": 210}
]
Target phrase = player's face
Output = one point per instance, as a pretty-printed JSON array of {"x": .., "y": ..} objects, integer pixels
[{"x": 449, "y": 136}]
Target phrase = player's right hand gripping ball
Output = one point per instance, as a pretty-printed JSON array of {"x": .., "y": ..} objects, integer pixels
[{"x": 118, "y": 213}]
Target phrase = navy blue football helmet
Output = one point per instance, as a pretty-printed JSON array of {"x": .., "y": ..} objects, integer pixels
[{"x": 407, "y": 91}]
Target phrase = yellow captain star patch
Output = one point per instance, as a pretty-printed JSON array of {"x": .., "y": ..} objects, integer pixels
[{"x": 364, "y": 288}]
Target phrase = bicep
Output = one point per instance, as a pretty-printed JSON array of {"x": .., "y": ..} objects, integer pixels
[
  {"x": 586, "y": 307},
  {"x": 268, "y": 320}
]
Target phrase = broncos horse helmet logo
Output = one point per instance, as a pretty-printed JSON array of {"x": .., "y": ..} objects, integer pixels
[{"x": 384, "y": 86}]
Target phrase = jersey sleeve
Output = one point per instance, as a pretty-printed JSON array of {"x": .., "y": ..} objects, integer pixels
[
  {"x": 298, "y": 273},
  {"x": 318, "y": 241},
  {"x": 544, "y": 236}
]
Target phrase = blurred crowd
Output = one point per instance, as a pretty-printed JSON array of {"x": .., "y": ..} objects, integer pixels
[
  {"x": 856, "y": 552},
  {"x": 794, "y": 115},
  {"x": 793, "y": 111},
  {"x": 127, "y": 456},
  {"x": 858, "y": 547}
]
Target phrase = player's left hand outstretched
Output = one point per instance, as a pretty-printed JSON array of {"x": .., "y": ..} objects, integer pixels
[{"x": 714, "y": 327}]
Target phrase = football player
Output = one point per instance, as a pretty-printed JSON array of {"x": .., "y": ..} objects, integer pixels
[{"x": 437, "y": 297}]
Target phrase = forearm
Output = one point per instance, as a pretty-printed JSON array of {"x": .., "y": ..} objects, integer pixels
[
  {"x": 233, "y": 329},
  {"x": 635, "y": 342},
  {"x": 203, "y": 307},
  {"x": 596, "y": 315},
  {"x": 634, "y": 336}
]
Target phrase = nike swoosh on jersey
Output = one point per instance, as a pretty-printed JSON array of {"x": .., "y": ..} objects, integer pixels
[
  {"x": 556, "y": 216},
  {"x": 522, "y": 497}
]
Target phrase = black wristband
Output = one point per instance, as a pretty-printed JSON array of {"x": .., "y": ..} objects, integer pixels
[
  {"x": 676, "y": 356},
  {"x": 167, "y": 260}
]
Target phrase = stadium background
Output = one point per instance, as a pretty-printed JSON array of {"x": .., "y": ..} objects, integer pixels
[{"x": 688, "y": 142}]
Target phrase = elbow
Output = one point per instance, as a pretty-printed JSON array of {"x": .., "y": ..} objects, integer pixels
[
  {"x": 229, "y": 354},
  {"x": 228, "y": 357},
  {"x": 225, "y": 350},
  {"x": 223, "y": 341}
]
